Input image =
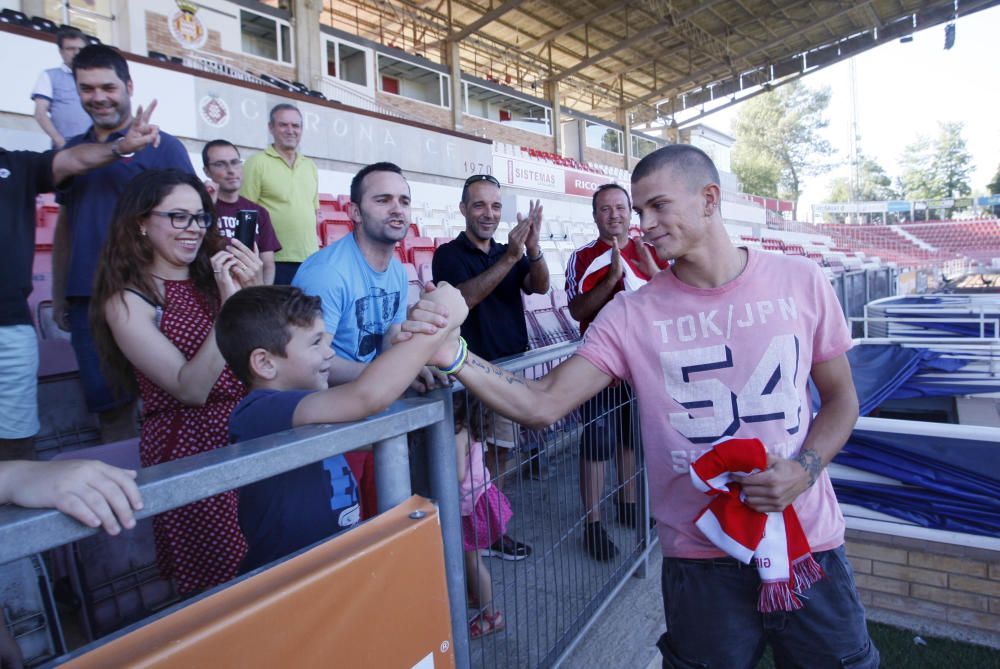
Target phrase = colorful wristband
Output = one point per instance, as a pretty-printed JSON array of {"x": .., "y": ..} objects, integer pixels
[{"x": 459, "y": 362}]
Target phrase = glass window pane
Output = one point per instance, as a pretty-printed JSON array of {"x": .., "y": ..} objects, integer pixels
[
  {"x": 259, "y": 35},
  {"x": 352, "y": 66},
  {"x": 286, "y": 43}
]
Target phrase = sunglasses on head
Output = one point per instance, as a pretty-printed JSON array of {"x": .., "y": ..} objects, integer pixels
[{"x": 482, "y": 177}]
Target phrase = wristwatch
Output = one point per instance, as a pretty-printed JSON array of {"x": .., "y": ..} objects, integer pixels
[{"x": 114, "y": 149}]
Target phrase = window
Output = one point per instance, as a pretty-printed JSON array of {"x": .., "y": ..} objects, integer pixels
[
  {"x": 413, "y": 81},
  {"x": 642, "y": 147},
  {"x": 604, "y": 138},
  {"x": 512, "y": 111},
  {"x": 265, "y": 37},
  {"x": 346, "y": 62},
  {"x": 93, "y": 17}
]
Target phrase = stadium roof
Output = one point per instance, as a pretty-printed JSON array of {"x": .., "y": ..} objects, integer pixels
[{"x": 651, "y": 57}]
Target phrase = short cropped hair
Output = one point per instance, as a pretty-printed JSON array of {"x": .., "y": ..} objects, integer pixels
[
  {"x": 688, "y": 160},
  {"x": 213, "y": 144},
  {"x": 101, "y": 56},
  {"x": 69, "y": 32},
  {"x": 604, "y": 187},
  {"x": 261, "y": 317},
  {"x": 357, "y": 193},
  {"x": 282, "y": 107}
]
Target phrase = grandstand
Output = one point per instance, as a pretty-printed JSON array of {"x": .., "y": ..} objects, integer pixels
[{"x": 370, "y": 92}]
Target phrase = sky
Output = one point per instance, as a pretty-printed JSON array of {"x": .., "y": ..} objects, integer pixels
[{"x": 904, "y": 90}]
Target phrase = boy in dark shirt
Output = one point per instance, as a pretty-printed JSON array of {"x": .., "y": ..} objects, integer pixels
[{"x": 274, "y": 339}]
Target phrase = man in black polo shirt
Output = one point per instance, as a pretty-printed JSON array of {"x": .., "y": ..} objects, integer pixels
[
  {"x": 491, "y": 277},
  {"x": 23, "y": 175}
]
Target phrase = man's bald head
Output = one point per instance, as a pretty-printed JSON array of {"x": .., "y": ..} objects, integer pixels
[{"x": 684, "y": 160}]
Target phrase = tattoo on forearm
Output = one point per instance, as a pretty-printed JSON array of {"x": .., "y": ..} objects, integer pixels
[
  {"x": 811, "y": 462},
  {"x": 510, "y": 378}
]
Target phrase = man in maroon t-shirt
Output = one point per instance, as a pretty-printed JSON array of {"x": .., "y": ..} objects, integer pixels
[
  {"x": 596, "y": 273},
  {"x": 223, "y": 165}
]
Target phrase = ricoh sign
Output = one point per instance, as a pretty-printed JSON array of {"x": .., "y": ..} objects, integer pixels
[{"x": 584, "y": 183}]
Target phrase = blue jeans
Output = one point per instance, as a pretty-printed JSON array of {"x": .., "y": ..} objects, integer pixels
[
  {"x": 712, "y": 618},
  {"x": 100, "y": 396}
]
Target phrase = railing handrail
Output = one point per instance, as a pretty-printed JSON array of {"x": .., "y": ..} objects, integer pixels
[{"x": 170, "y": 485}]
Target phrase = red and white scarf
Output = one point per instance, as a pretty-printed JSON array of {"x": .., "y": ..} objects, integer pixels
[{"x": 774, "y": 541}]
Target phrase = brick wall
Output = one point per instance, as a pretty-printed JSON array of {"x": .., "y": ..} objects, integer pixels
[
  {"x": 439, "y": 117},
  {"x": 158, "y": 38},
  {"x": 504, "y": 133},
  {"x": 933, "y": 588},
  {"x": 602, "y": 157}
]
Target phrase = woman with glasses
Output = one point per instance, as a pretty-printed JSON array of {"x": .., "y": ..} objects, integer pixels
[{"x": 162, "y": 278}]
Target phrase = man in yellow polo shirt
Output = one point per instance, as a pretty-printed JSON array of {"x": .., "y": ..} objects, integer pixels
[{"x": 287, "y": 184}]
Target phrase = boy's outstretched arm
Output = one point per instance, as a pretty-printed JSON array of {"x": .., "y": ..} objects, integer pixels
[
  {"x": 386, "y": 377},
  {"x": 536, "y": 403}
]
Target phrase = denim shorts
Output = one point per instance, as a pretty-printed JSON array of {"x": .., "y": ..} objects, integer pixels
[
  {"x": 18, "y": 382},
  {"x": 607, "y": 423},
  {"x": 96, "y": 390},
  {"x": 712, "y": 618}
]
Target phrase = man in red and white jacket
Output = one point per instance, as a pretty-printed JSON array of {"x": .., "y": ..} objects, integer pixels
[{"x": 595, "y": 274}]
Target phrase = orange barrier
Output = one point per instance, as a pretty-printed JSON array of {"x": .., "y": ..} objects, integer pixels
[{"x": 373, "y": 597}]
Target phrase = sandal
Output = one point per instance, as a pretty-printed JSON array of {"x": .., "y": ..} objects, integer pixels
[{"x": 485, "y": 624}]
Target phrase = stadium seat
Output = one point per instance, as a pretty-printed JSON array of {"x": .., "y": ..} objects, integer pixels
[
  {"x": 545, "y": 324},
  {"x": 13, "y": 16},
  {"x": 413, "y": 284},
  {"x": 425, "y": 273},
  {"x": 43, "y": 24},
  {"x": 334, "y": 230}
]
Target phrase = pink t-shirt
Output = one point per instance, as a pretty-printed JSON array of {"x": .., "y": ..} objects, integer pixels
[{"x": 712, "y": 364}]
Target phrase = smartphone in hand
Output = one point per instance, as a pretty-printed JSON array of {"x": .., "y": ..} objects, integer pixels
[{"x": 246, "y": 227}]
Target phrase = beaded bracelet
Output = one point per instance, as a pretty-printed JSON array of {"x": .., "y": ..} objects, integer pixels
[{"x": 459, "y": 362}]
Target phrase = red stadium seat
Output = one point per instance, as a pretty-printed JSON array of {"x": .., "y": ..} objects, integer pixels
[{"x": 334, "y": 230}]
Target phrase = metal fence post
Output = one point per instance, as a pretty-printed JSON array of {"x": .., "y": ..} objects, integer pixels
[
  {"x": 443, "y": 470},
  {"x": 392, "y": 472}
]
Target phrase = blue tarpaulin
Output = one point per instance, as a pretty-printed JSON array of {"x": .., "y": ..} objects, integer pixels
[
  {"x": 950, "y": 484},
  {"x": 890, "y": 372}
]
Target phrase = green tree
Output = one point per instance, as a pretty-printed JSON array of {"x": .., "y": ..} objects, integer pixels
[
  {"x": 873, "y": 184},
  {"x": 937, "y": 168},
  {"x": 780, "y": 131},
  {"x": 994, "y": 186}
]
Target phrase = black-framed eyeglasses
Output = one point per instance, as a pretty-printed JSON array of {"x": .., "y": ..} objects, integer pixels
[
  {"x": 223, "y": 164},
  {"x": 482, "y": 177},
  {"x": 182, "y": 220}
]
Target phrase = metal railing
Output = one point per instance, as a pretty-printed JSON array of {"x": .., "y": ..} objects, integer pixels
[{"x": 549, "y": 599}]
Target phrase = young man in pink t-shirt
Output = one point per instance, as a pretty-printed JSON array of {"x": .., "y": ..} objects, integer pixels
[{"x": 720, "y": 346}]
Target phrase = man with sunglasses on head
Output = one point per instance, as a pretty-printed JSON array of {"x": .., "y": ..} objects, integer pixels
[
  {"x": 223, "y": 166},
  {"x": 491, "y": 277},
  {"x": 105, "y": 87}
]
